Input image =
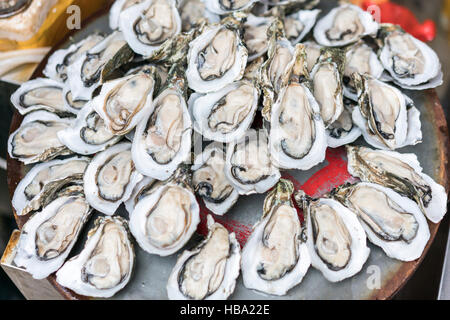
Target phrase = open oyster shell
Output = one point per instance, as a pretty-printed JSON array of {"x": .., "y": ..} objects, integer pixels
[
  {"x": 223, "y": 7},
  {"x": 255, "y": 35},
  {"x": 71, "y": 104},
  {"x": 297, "y": 25},
  {"x": 110, "y": 178},
  {"x": 123, "y": 102},
  {"x": 411, "y": 63},
  {"x": 48, "y": 236},
  {"x": 105, "y": 264},
  {"x": 88, "y": 133},
  {"x": 343, "y": 25},
  {"x": 210, "y": 182},
  {"x": 391, "y": 221},
  {"x": 164, "y": 220},
  {"x": 343, "y": 131},
  {"x": 60, "y": 60},
  {"x": 147, "y": 25},
  {"x": 216, "y": 58},
  {"x": 401, "y": 172},
  {"x": 91, "y": 69},
  {"x": 225, "y": 115},
  {"x": 40, "y": 94},
  {"x": 116, "y": 10},
  {"x": 142, "y": 189},
  {"x": 275, "y": 257},
  {"x": 36, "y": 139},
  {"x": 248, "y": 164},
  {"x": 43, "y": 180},
  {"x": 336, "y": 240},
  {"x": 192, "y": 12},
  {"x": 209, "y": 271}
]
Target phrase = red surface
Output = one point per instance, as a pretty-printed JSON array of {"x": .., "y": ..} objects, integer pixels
[
  {"x": 332, "y": 175},
  {"x": 397, "y": 14}
]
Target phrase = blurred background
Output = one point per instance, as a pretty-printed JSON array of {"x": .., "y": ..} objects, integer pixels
[{"x": 425, "y": 282}]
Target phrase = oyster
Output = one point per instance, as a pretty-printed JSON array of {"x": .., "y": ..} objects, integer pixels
[
  {"x": 40, "y": 94},
  {"x": 47, "y": 238},
  {"x": 123, "y": 102},
  {"x": 255, "y": 35},
  {"x": 192, "y": 12},
  {"x": 142, "y": 189},
  {"x": 225, "y": 115},
  {"x": 12, "y": 8},
  {"x": 74, "y": 105},
  {"x": 275, "y": 257},
  {"x": 209, "y": 180},
  {"x": 36, "y": 139},
  {"x": 209, "y": 271},
  {"x": 110, "y": 178},
  {"x": 164, "y": 220},
  {"x": 248, "y": 165},
  {"x": 163, "y": 138},
  {"x": 117, "y": 8},
  {"x": 336, "y": 240},
  {"x": 410, "y": 62},
  {"x": 343, "y": 131},
  {"x": 60, "y": 60},
  {"x": 328, "y": 87},
  {"x": 88, "y": 134},
  {"x": 382, "y": 115},
  {"x": 343, "y": 25},
  {"x": 391, "y": 221},
  {"x": 360, "y": 58},
  {"x": 43, "y": 180},
  {"x": 147, "y": 25},
  {"x": 297, "y": 134},
  {"x": 298, "y": 24},
  {"x": 105, "y": 264},
  {"x": 91, "y": 69},
  {"x": 312, "y": 54},
  {"x": 216, "y": 58},
  {"x": 223, "y": 7},
  {"x": 401, "y": 172}
]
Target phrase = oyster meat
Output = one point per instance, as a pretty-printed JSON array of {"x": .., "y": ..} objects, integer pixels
[
  {"x": 255, "y": 35},
  {"x": 391, "y": 221},
  {"x": 105, "y": 264},
  {"x": 164, "y": 220},
  {"x": 298, "y": 24},
  {"x": 401, "y": 172},
  {"x": 275, "y": 257},
  {"x": 336, "y": 240},
  {"x": 343, "y": 131},
  {"x": 110, "y": 178},
  {"x": 36, "y": 139},
  {"x": 209, "y": 271},
  {"x": 210, "y": 182},
  {"x": 223, "y": 7},
  {"x": 192, "y": 12}
]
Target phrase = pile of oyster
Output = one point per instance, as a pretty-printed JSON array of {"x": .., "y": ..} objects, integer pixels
[{"x": 265, "y": 87}]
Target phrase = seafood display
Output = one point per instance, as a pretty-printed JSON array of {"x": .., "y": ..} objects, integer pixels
[{"x": 187, "y": 107}]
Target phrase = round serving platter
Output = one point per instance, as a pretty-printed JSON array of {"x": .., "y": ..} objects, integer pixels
[{"x": 381, "y": 276}]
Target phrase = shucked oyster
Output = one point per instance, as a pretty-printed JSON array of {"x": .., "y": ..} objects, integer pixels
[
  {"x": 123, "y": 102},
  {"x": 40, "y": 94},
  {"x": 165, "y": 219},
  {"x": 401, "y": 172},
  {"x": 210, "y": 270},
  {"x": 216, "y": 58},
  {"x": 105, "y": 264},
  {"x": 36, "y": 139},
  {"x": 255, "y": 35},
  {"x": 328, "y": 87},
  {"x": 192, "y": 12},
  {"x": 43, "y": 180},
  {"x": 343, "y": 25},
  {"x": 110, "y": 178},
  {"x": 225, "y": 115},
  {"x": 60, "y": 60},
  {"x": 163, "y": 138},
  {"x": 382, "y": 115},
  {"x": 275, "y": 257},
  {"x": 90, "y": 70},
  {"x": 343, "y": 131},
  {"x": 248, "y": 164},
  {"x": 210, "y": 182},
  {"x": 224, "y": 7},
  {"x": 336, "y": 240},
  {"x": 116, "y": 10},
  {"x": 48, "y": 236},
  {"x": 411, "y": 63},
  {"x": 147, "y": 25},
  {"x": 392, "y": 222},
  {"x": 297, "y": 133},
  {"x": 298, "y": 24},
  {"x": 88, "y": 133}
]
